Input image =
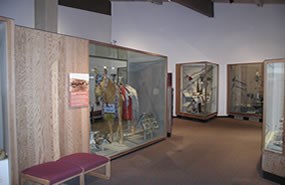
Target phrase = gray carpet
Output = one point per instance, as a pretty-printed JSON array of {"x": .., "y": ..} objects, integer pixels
[{"x": 222, "y": 151}]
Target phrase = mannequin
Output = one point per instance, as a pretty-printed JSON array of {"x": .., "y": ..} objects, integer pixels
[{"x": 112, "y": 104}]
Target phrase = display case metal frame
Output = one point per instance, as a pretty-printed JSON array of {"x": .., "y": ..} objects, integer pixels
[
  {"x": 272, "y": 162},
  {"x": 178, "y": 92},
  {"x": 233, "y": 113},
  {"x": 8, "y": 72}
]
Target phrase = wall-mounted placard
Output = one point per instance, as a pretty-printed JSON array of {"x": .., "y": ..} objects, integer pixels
[{"x": 78, "y": 90}]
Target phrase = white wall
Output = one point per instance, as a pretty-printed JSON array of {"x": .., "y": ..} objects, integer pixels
[
  {"x": 20, "y": 10},
  {"x": 71, "y": 21},
  {"x": 84, "y": 24},
  {"x": 237, "y": 33}
]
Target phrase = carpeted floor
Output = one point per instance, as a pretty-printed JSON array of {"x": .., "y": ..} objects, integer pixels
[{"x": 222, "y": 151}]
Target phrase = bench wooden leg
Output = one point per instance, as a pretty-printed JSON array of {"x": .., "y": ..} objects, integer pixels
[
  {"x": 25, "y": 178},
  {"x": 81, "y": 179},
  {"x": 108, "y": 170},
  {"x": 107, "y": 174}
]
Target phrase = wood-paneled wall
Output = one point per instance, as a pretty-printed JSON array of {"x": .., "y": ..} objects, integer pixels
[{"x": 47, "y": 127}]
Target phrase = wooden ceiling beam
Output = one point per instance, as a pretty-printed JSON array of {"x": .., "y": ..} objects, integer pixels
[
  {"x": 205, "y": 7},
  {"x": 160, "y": 2},
  {"x": 98, "y": 6},
  {"x": 259, "y": 2}
]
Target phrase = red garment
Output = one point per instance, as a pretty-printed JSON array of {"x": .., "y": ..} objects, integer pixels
[{"x": 127, "y": 104}]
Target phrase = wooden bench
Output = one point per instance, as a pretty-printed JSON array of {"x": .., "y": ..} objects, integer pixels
[
  {"x": 66, "y": 168},
  {"x": 89, "y": 163}
]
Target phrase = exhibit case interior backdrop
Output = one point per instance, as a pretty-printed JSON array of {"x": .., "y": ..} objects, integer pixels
[
  {"x": 197, "y": 90},
  {"x": 273, "y": 158},
  {"x": 127, "y": 98},
  {"x": 245, "y": 89}
]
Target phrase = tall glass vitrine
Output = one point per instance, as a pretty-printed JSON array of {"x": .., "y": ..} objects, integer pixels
[
  {"x": 245, "y": 89},
  {"x": 7, "y": 157},
  {"x": 274, "y": 111},
  {"x": 3, "y": 89},
  {"x": 127, "y": 94},
  {"x": 197, "y": 90}
]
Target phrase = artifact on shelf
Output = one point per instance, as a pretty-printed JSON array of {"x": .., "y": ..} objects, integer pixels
[
  {"x": 97, "y": 140},
  {"x": 3, "y": 154},
  {"x": 149, "y": 124}
]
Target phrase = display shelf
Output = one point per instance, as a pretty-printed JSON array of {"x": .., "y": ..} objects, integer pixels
[
  {"x": 245, "y": 90},
  {"x": 273, "y": 155},
  {"x": 197, "y": 90}
]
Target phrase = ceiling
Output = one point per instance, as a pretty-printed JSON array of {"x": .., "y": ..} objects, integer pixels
[{"x": 205, "y": 7}]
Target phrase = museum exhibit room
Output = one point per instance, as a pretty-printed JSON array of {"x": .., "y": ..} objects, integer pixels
[{"x": 127, "y": 92}]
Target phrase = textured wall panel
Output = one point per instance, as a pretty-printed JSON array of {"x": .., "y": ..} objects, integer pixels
[
  {"x": 74, "y": 122},
  {"x": 46, "y": 127}
]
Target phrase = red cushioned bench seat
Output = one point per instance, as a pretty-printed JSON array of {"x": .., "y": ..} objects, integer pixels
[
  {"x": 51, "y": 173},
  {"x": 89, "y": 163},
  {"x": 66, "y": 168}
]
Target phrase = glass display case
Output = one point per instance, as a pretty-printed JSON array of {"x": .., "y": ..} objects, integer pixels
[
  {"x": 197, "y": 90},
  {"x": 3, "y": 90},
  {"x": 274, "y": 111},
  {"x": 245, "y": 89},
  {"x": 6, "y": 93},
  {"x": 127, "y": 99}
]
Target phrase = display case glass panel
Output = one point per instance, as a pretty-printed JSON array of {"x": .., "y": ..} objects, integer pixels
[
  {"x": 245, "y": 89},
  {"x": 274, "y": 106},
  {"x": 197, "y": 89},
  {"x": 127, "y": 99}
]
